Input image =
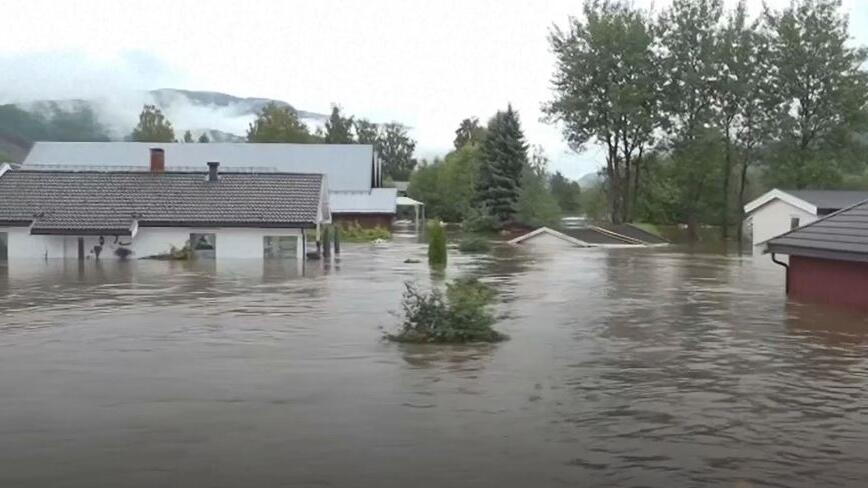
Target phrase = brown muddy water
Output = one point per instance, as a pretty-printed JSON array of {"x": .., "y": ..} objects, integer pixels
[{"x": 659, "y": 368}]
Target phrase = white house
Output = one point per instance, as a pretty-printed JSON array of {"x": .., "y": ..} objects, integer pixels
[
  {"x": 779, "y": 211},
  {"x": 353, "y": 170},
  {"x": 82, "y": 214}
]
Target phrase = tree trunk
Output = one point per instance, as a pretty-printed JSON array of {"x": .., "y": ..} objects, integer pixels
[
  {"x": 625, "y": 191},
  {"x": 637, "y": 165},
  {"x": 741, "y": 202},
  {"x": 727, "y": 169}
]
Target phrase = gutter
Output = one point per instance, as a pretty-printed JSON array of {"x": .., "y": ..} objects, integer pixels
[{"x": 787, "y": 268}]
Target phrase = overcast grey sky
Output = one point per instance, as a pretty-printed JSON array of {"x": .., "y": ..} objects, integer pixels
[{"x": 427, "y": 64}]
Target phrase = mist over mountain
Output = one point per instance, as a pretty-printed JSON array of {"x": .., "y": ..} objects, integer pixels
[{"x": 222, "y": 117}]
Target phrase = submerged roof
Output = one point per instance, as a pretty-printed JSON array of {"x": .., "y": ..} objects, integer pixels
[
  {"x": 551, "y": 232},
  {"x": 811, "y": 201},
  {"x": 842, "y": 235},
  {"x": 88, "y": 202},
  {"x": 349, "y": 167}
]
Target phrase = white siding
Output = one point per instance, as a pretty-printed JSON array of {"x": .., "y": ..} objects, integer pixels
[
  {"x": 232, "y": 243},
  {"x": 773, "y": 219}
]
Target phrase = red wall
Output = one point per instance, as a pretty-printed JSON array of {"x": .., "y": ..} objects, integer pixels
[{"x": 843, "y": 283}]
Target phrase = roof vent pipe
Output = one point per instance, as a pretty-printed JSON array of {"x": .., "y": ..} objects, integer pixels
[
  {"x": 158, "y": 160},
  {"x": 213, "y": 171}
]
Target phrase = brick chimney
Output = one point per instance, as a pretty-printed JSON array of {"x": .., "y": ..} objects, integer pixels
[
  {"x": 213, "y": 171},
  {"x": 158, "y": 160}
]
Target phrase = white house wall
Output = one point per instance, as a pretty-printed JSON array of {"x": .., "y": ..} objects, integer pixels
[
  {"x": 231, "y": 243},
  {"x": 773, "y": 219}
]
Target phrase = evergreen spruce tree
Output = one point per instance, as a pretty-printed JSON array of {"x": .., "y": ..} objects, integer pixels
[{"x": 504, "y": 156}]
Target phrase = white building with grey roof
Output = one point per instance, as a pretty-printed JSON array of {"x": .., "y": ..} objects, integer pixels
[
  {"x": 354, "y": 171},
  {"x": 779, "y": 211},
  {"x": 87, "y": 214}
]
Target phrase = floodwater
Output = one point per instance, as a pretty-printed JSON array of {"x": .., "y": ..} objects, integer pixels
[{"x": 638, "y": 367}]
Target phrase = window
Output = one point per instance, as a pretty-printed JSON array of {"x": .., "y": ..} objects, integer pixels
[
  {"x": 279, "y": 247},
  {"x": 204, "y": 246},
  {"x": 794, "y": 222},
  {"x": 4, "y": 246}
]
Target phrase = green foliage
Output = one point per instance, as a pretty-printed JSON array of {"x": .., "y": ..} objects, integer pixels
[
  {"x": 395, "y": 149},
  {"x": 436, "y": 244},
  {"x": 447, "y": 187},
  {"x": 278, "y": 123},
  {"x": 504, "y": 156},
  {"x": 188, "y": 136},
  {"x": 823, "y": 77},
  {"x": 338, "y": 129},
  {"x": 153, "y": 126},
  {"x": 606, "y": 86},
  {"x": 567, "y": 193},
  {"x": 536, "y": 206},
  {"x": 203, "y": 138},
  {"x": 50, "y": 121},
  {"x": 474, "y": 243},
  {"x": 354, "y": 232},
  {"x": 594, "y": 203},
  {"x": 469, "y": 132},
  {"x": 367, "y": 132},
  {"x": 462, "y": 316}
]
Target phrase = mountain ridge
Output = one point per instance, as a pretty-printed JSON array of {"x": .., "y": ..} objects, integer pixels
[{"x": 221, "y": 116}]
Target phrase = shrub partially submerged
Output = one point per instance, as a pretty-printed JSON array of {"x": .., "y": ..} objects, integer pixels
[
  {"x": 354, "y": 232},
  {"x": 474, "y": 244},
  {"x": 461, "y": 316}
]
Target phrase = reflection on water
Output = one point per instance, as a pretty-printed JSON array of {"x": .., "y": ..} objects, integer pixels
[{"x": 627, "y": 367}]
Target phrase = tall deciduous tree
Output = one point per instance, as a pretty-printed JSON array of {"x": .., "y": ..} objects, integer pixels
[
  {"x": 504, "y": 157},
  {"x": 153, "y": 126},
  {"x": 338, "y": 129},
  {"x": 395, "y": 149},
  {"x": 278, "y": 123},
  {"x": 749, "y": 106},
  {"x": 689, "y": 37},
  {"x": 468, "y": 132},
  {"x": 606, "y": 91},
  {"x": 824, "y": 86},
  {"x": 367, "y": 132}
]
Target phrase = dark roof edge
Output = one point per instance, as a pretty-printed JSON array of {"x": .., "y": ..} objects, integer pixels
[
  {"x": 59, "y": 231},
  {"x": 15, "y": 223},
  {"x": 816, "y": 253},
  {"x": 821, "y": 219},
  {"x": 238, "y": 224}
]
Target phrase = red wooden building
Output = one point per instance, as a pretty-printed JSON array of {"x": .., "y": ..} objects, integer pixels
[{"x": 828, "y": 258}]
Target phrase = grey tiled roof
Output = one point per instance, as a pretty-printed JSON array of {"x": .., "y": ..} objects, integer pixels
[
  {"x": 829, "y": 199},
  {"x": 110, "y": 202},
  {"x": 841, "y": 235}
]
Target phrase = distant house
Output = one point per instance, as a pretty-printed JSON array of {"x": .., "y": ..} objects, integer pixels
[
  {"x": 779, "y": 211},
  {"x": 828, "y": 259},
  {"x": 135, "y": 214},
  {"x": 353, "y": 170}
]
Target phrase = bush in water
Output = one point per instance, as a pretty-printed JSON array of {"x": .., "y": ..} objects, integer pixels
[
  {"x": 436, "y": 244},
  {"x": 461, "y": 316}
]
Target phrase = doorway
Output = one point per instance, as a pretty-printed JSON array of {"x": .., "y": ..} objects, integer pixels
[
  {"x": 4, "y": 246},
  {"x": 203, "y": 246}
]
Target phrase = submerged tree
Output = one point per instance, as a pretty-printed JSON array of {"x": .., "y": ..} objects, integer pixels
[
  {"x": 188, "y": 136},
  {"x": 204, "y": 138},
  {"x": 153, "y": 126},
  {"x": 606, "y": 91},
  {"x": 278, "y": 123},
  {"x": 504, "y": 157}
]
